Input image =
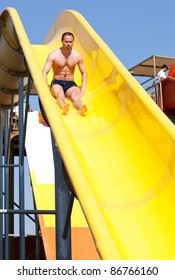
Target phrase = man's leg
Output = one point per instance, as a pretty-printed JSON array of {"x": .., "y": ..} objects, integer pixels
[
  {"x": 75, "y": 95},
  {"x": 58, "y": 94}
]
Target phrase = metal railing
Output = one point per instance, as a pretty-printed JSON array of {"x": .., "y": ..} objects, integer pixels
[
  {"x": 63, "y": 196},
  {"x": 155, "y": 92}
]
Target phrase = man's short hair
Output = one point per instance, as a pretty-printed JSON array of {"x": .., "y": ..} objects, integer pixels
[
  {"x": 66, "y": 34},
  {"x": 164, "y": 66}
]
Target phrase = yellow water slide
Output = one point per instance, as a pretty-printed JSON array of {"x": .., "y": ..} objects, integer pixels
[{"x": 120, "y": 156}]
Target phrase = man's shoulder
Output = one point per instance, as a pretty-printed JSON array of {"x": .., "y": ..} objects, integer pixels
[
  {"x": 56, "y": 51},
  {"x": 76, "y": 53},
  {"x": 53, "y": 54},
  {"x": 160, "y": 71}
]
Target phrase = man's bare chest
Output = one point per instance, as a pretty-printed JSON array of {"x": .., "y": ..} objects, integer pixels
[{"x": 65, "y": 62}]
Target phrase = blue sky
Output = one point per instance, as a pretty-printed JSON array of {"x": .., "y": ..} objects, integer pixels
[{"x": 134, "y": 30}]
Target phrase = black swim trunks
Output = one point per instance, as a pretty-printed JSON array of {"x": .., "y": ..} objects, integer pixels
[{"x": 64, "y": 84}]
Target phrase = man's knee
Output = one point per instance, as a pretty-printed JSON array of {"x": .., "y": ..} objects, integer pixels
[
  {"x": 76, "y": 93},
  {"x": 57, "y": 93},
  {"x": 76, "y": 96}
]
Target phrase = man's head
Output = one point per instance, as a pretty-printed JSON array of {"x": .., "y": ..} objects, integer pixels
[
  {"x": 164, "y": 67},
  {"x": 67, "y": 39},
  {"x": 65, "y": 34}
]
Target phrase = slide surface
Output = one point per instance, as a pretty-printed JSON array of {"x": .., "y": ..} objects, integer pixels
[{"x": 120, "y": 156}]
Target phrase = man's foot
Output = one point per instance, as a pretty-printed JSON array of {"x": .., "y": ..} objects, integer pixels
[
  {"x": 65, "y": 109},
  {"x": 82, "y": 110}
]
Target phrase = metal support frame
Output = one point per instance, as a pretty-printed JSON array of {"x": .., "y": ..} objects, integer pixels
[
  {"x": 21, "y": 169},
  {"x": 63, "y": 206},
  {"x": 64, "y": 198},
  {"x": 7, "y": 183},
  {"x": 6, "y": 186},
  {"x": 1, "y": 185}
]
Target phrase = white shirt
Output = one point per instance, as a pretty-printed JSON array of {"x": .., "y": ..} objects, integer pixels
[{"x": 161, "y": 75}]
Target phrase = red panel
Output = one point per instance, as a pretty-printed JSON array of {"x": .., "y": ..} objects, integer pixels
[{"x": 168, "y": 92}]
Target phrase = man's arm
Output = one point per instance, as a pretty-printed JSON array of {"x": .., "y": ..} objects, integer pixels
[
  {"x": 48, "y": 66},
  {"x": 84, "y": 75}
]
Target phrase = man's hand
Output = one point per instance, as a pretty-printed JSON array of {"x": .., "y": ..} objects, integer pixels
[{"x": 82, "y": 92}]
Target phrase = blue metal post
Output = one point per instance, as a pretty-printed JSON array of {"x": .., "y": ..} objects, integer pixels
[
  {"x": 62, "y": 199},
  {"x": 6, "y": 186},
  {"x": 21, "y": 169},
  {"x": 1, "y": 185}
]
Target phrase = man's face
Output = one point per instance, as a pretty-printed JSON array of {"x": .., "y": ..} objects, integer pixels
[{"x": 68, "y": 42}]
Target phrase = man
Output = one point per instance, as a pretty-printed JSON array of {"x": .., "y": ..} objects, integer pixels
[
  {"x": 161, "y": 74},
  {"x": 160, "y": 77},
  {"x": 63, "y": 62}
]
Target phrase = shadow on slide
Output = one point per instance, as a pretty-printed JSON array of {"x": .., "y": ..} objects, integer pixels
[{"x": 120, "y": 156}]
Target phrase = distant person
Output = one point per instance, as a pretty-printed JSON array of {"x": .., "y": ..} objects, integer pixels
[
  {"x": 160, "y": 77},
  {"x": 63, "y": 62},
  {"x": 161, "y": 74},
  {"x": 14, "y": 122}
]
